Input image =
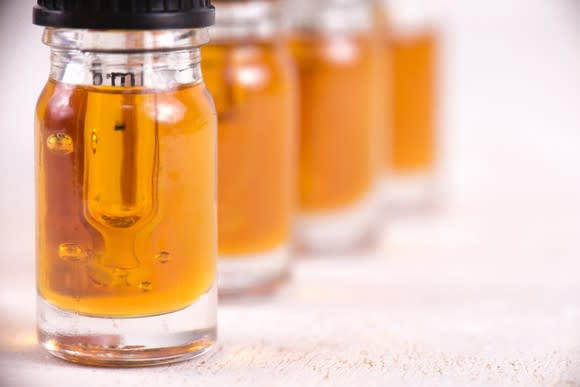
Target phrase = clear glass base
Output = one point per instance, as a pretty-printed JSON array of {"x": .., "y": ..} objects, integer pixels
[
  {"x": 255, "y": 273},
  {"x": 129, "y": 342},
  {"x": 409, "y": 192},
  {"x": 338, "y": 231}
]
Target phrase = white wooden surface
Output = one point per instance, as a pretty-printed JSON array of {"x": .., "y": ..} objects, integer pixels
[{"x": 478, "y": 295}]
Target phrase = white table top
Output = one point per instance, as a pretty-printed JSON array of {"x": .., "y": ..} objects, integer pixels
[{"x": 481, "y": 294}]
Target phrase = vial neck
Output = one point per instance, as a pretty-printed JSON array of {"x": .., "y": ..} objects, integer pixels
[
  {"x": 123, "y": 70},
  {"x": 242, "y": 21},
  {"x": 125, "y": 59},
  {"x": 410, "y": 17},
  {"x": 332, "y": 17}
]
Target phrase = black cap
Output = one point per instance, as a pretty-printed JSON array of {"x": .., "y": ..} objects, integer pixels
[{"x": 124, "y": 14}]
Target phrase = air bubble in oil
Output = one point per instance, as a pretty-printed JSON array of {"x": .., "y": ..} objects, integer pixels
[
  {"x": 60, "y": 143},
  {"x": 71, "y": 252},
  {"x": 146, "y": 286},
  {"x": 163, "y": 257},
  {"x": 94, "y": 141}
]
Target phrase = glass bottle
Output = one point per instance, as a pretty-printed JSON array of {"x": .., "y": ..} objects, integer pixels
[
  {"x": 249, "y": 72},
  {"x": 412, "y": 130},
  {"x": 125, "y": 180},
  {"x": 334, "y": 45}
]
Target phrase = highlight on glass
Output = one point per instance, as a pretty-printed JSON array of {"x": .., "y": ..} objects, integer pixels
[
  {"x": 249, "y": 72},
  {"x": 126, "y": 184},
  {"x": 334, "y": 45}
]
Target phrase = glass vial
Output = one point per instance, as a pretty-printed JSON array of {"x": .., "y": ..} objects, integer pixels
[
  {"x": 412, "y": 129},
  {"x": 249, "y": 72},
  {"x": 333, "y": 43},
  {"x": 125, "y": 180}
]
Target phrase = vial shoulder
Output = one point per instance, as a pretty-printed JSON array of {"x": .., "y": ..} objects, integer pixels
[
  {"x": 58, "y": 103},
  {"x": 187, "y": 107}
]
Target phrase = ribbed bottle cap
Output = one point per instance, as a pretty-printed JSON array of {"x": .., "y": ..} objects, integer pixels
[{"x": 124, "y": 14}]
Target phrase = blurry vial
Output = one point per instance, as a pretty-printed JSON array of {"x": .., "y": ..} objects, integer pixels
[
  {"x": 248, "y": 69},
  {"x": 411, "y": 137},
  {"x": 334, "y": 45}
]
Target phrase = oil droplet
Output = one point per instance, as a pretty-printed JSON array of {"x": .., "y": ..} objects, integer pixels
[
  {"x": 120, "y": 221},
  {"x": 60, "y": 143},
  {"x": 146, "y": 286},
  {"x": 163, "y": 257},
  {"x": 94, "y": 141},
  {"x": 107, "y": 276},
  {"x": 71, "y": 252}
]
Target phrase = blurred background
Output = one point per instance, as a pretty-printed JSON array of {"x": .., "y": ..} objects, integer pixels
[{"x": 509, "y": 111}]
